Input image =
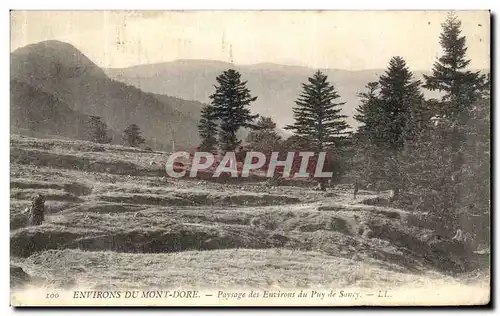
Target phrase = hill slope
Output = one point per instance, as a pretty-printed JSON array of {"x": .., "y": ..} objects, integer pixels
[
  {"x": 62, "y": 73},
  {"x": 37, "y": 113},
  {"x": 113, "y": 221}
]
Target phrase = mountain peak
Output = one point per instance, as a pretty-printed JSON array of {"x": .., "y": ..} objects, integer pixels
[
  {"x": 48, "y": 46},
  {"x": 50, "y": 58}
]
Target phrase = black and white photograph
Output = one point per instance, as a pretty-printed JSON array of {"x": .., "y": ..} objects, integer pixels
[{"x": 250, "y": 158}]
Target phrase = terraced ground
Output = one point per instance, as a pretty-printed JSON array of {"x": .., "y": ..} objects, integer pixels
[{"x": 114, "y": 221}]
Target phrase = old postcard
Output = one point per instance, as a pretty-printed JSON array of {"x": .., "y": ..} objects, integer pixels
[{"x": 250, "y": 158}]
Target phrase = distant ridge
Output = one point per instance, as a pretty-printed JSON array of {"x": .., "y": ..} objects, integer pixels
[{"x": 276, "y": 86}]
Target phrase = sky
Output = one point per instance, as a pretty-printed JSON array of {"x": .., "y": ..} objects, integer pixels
[{"x": 351, "y": 40}]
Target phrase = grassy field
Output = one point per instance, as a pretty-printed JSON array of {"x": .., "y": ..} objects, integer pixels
[{"x": 114, "y": 221}]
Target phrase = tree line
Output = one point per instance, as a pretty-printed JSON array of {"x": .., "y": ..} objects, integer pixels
[
  {"x": 98, "y": 132},
  {"x": 433, "y": 153}
]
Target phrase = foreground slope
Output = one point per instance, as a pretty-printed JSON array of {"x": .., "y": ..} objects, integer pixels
[{"x": 115, "y": 221}]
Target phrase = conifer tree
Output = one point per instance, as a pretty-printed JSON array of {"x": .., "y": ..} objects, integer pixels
[
  {"x": 317, "y": 117},
  {"x": 132, "y": 136},
  {"x": 387, "y": 112},
  {"x": 230, "y": 102},
  {"x": 97, "y": 131},
  {"x": 464, "y": 92},
  {"x": 318, "y": 123},
  {"x": 207, "y": 129},
  {"x": 400, "y": 95},
  {"x": 461, "y": 87},
  {"x": 264, "y": 138},
  {"x": 388, "y": 104}
]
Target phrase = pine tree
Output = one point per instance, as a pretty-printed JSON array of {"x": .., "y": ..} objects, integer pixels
[
  {"x": 207, "y": 129},
  {"x": 97, "y": 131},
  {"x": 264, "y": 138},
  {"x": 462, "y": 90},
  {"x": 461, "y": 87},
  {"x": 388, "y": 104},
  {"x": 390, "y": 111},
  {"x": 132, "y": 136},
  {"x": 230, "y": 102},
  {"x": 401, "y": 97},
  {"x": 317, "y": 117},
  {"x": 318, "y": 122}
]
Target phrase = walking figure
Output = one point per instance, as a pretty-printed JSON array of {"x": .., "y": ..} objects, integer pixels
[
  {"x": 356, "y": 188},
  {"x": 36, "y": 211}
]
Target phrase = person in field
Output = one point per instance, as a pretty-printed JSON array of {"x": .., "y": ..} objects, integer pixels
[
  {"x": 36, "y": 214},
  {"x": 356, "y": 188}
]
